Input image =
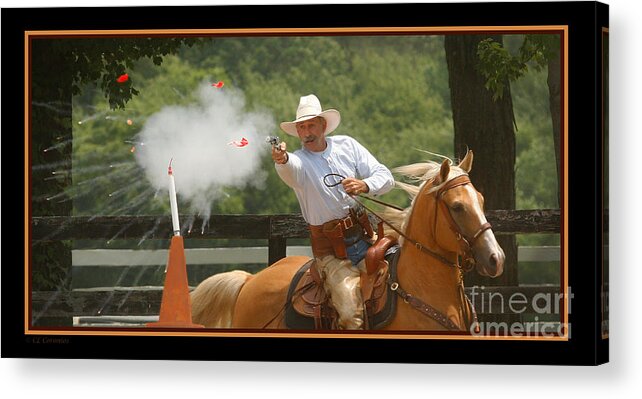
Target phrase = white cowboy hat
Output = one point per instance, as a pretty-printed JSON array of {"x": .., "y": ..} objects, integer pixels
[{"x": 310, "y": 107}]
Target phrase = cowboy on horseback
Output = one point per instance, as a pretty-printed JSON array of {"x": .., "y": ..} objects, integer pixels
[{"x": 340, "y": 232}]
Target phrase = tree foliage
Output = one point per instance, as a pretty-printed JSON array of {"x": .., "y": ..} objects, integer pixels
[
  {"x": 498, "y": 64},
  {"x": 103, "y": 60}
]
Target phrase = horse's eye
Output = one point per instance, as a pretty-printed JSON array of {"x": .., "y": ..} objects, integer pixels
[{"x": 457, "y": 206}]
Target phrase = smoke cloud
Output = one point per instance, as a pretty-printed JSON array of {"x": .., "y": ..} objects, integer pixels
[{"x": 197, "y": 140}]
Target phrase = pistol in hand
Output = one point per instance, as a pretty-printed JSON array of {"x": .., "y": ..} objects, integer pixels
[
  {"x": 274, "y": 141},
  {"x": 279, "y": 153}
]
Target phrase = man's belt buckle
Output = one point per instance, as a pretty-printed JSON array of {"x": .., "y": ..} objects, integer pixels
[{"x": 345, "y": 222}]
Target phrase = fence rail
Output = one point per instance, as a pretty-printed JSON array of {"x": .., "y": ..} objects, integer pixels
[
  {"x": 54, "y": 228},
  {"x": 239, "y": 255},
  {"x": 276, "y": 228}
]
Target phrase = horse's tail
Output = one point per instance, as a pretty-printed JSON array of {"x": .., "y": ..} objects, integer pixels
[{"x": 213, "y": 300}]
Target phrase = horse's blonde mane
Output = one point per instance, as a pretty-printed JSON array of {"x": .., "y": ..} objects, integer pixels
[{"x": 419, "y": 173}]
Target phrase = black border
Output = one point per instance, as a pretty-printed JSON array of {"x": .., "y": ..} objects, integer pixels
[{"x": 584, "y": 150}]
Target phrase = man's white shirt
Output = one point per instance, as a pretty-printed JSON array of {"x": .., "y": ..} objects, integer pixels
[{"x": 305, "y": 172}]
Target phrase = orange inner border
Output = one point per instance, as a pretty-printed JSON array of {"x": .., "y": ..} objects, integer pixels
[{"x": 562, "y": 29}]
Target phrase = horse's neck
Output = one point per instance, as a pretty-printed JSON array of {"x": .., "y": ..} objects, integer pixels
[{"x": 424, "y": 274}]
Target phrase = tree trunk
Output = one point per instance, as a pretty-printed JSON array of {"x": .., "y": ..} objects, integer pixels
[{"x": 485, "y": 126}]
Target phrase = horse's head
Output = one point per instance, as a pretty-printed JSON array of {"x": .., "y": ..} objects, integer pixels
[
  {"x": 462, "y": 211},
  {"x": 456, "y": 210}
]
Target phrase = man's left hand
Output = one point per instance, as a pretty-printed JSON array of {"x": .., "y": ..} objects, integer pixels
[{"x": 354, "y": 186}]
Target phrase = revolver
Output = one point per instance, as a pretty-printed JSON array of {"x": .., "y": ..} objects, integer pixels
[{"x": 274, "y": 141}]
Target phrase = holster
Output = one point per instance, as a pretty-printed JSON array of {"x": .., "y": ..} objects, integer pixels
[
  {"x": 333, "y": 231},
  {"x": 321, "y": 246},
  {"x": 364, "y": 221}
]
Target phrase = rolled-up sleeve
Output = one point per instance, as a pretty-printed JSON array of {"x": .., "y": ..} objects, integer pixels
[{"x": 381, "y": 181}]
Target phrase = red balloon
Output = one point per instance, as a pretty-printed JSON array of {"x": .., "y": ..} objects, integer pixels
[{"x": 122, "y": 78}]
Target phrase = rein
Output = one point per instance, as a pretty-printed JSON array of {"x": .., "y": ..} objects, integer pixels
[
  {"x": 364, "y": 196},
  {"x": 467, "y": 243},
  {"x": 416, "y": 243}
]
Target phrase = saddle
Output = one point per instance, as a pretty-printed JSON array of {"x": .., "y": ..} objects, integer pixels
[{"x": 309, "y": 307}]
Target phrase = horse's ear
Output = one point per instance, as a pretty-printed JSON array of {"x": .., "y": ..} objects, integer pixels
[
  {"x": 444, "y": 171},
  {"x": 466, "y": 164}
]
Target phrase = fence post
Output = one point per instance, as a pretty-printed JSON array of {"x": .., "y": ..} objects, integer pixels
[{"x": 276, "y": 249}]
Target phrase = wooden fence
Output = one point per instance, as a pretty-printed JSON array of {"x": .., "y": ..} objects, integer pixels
[{"x": 277, "y": 229}]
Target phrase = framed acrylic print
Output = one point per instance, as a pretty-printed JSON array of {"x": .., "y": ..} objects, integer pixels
[{"x": 409, "y": 180}]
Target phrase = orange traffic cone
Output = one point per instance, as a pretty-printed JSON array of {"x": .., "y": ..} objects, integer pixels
[{"x": 176, "y": 305}]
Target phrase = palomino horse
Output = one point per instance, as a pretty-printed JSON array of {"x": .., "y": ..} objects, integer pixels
[{"x": 445, "y": 221}]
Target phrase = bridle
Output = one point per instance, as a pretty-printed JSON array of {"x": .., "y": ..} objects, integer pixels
[{"x": 465, "y": 243}]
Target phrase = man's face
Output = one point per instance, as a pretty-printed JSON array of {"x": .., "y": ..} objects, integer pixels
[{"x": 312, "y": 134}]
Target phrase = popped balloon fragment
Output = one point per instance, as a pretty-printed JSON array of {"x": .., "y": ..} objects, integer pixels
[{"x": 241, "y": 143}]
